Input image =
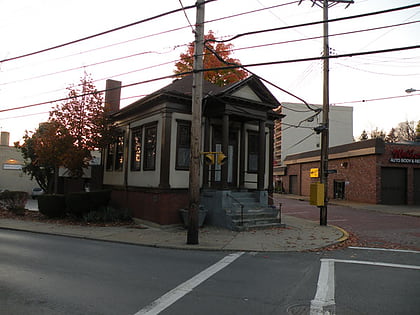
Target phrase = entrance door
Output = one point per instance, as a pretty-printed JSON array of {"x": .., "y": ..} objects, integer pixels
[
  {"x": 232, "y": 160},
  {"x": 417, "y": 186},
  {"x": 394, "y": 186},
  {"x": 339, "y": 189}
]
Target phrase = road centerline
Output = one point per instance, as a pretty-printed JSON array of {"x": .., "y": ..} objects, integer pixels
[{"x": 184, "y": 288}]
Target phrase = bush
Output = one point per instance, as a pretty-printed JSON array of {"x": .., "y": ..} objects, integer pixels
[
  {"x": 52, "y": 206},
  {"x": 13, "y": 201},
  {"x": 80, "y": 203},
  {"x": 107, "y": 214},
  {"x": 99, "y": 199}
]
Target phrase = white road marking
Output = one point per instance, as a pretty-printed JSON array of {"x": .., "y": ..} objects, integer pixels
[
  {"x": 175, "y": 294},
  {"x": 373, "y": 263},
  {"x": 324, "y": 301},
  {"x": 387, "y": 249}
]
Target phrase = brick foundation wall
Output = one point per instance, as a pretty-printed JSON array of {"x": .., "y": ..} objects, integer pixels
[{"x": 159, "y": 206}]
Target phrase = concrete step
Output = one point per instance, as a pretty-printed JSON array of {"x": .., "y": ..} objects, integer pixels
[
  {"x": 254, "y": 219},
  {"x": 251, "y": 227}
]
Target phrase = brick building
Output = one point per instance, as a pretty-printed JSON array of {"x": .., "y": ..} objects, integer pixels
[{"x": 369, "y": 171}]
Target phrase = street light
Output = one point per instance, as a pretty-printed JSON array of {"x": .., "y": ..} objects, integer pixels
[{"x": 411, "y": 90}]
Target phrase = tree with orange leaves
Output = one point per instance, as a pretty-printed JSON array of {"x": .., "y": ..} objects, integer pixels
[{"x": 223, "y": 51}]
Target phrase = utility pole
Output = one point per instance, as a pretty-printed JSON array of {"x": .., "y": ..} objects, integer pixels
[
  {"x": 325, "y": 118},
  {"x": 197, "y": 98},
  {"x": 325, "y": 133}
]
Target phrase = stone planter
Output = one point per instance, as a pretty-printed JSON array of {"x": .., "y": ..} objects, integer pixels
[{"x": 201, "y": 216}]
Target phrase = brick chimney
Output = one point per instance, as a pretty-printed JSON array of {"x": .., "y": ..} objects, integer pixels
[
  {"x": 4, "y": 138},
  {"x": 112, "y": 96}
]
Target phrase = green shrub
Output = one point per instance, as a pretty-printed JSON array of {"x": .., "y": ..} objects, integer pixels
[
  {"x": 80, "y": 203},
  {"x": 99, "y": 199},
  {"x": 107, "y": 214},
  {"x": 52, "y": 206},
  {"x": 14, "y": 201}
]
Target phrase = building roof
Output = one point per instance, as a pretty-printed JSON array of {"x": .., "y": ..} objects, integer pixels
[
  {"x": 371, "y": 146},
  {"x": 180, "y": 91}
]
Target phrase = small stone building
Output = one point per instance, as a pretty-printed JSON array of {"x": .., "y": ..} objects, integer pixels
[{"x": 370, "y": 171}]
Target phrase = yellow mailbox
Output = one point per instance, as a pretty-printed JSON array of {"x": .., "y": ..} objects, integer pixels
[{"x": 316, "y": 197}]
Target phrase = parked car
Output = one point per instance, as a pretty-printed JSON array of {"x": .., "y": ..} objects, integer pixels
[{"x": 37, "y": 192}]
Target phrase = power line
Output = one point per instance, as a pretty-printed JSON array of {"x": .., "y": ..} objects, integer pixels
[
  {"x": 375, "y": 99},
  {"x": 103, "y": 33},
  {"x": 159, "y": 33},
  {"x": 231, "y": 67},
  {"x": 380, "y": 73},
  {"x": 318, "y": 22},
  {"x": 234, "y": 49}
]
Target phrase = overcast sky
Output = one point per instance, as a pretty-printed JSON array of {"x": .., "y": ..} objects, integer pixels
[{"x": 373, "y": 84}]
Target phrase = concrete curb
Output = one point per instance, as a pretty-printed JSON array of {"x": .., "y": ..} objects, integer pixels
[{"x": 345, "y": 236}]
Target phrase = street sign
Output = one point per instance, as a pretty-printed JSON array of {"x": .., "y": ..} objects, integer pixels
[{"x": 314, "y": 172}]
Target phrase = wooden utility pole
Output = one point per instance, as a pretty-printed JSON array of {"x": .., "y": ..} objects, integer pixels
[
  {"x": 197, "y": 98},
  {"x": 325, "y": 120},
  {"x": 325, "y": 133}
]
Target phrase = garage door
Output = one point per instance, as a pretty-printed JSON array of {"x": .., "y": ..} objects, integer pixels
[
  {"x": 293, "y": 185},
  {"x": 417, "y": 186},
  {"x": 394, "y": 186}
]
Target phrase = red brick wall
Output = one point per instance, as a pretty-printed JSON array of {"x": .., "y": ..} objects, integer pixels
[
  {"x": 161, "y": 207},
  {"x": 361, "y": 174}
]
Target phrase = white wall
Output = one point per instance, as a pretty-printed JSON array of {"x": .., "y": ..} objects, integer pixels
[{"x": 303, "y": 138}]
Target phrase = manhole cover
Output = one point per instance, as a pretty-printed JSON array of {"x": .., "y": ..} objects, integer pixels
[{"x": 300, "y": 309}]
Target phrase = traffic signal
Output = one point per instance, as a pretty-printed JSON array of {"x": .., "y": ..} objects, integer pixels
[
  {"x": 221, "y": 158},
  {"x": 209, "y": 158}
]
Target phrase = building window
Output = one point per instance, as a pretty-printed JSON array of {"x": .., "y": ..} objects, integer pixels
[
  {"x": 119, "y": 153},
  {"x": 252, "y": 152},
  {"x": 110, "y": 157},
  {"x": 150, "y": 138},
  {"x": 136, "y": 146},
  {"x": 183, "y": 148}
]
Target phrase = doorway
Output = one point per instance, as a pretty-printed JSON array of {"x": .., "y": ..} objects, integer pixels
[
  {"x": 232, "y": 159},
  {"x": 339, "y": 189}
]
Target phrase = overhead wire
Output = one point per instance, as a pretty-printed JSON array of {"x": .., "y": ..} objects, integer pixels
[
  {"x": 234, "y": 49},
  {"x": 231, "y": 67},
  {"x": 306, "y": 58},
  {"x": 319, "y": 22},
  {"x": 103, "y": 32}
]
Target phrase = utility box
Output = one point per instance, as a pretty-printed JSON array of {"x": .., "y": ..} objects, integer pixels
[{"x": 316, "y": 197}]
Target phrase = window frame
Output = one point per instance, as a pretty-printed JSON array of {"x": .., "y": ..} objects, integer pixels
[
  {"x": 110, "y": 156},
  {"x": 133, "y": 163},
  {"x": 150, "y": 148},
  {"x": 179, "y": 145},
  {"x": 255, "y": 152},
  {"x": 119, "y": 152}
]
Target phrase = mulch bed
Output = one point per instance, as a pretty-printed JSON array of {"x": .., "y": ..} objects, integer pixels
[{"x": 39, "y": 217}]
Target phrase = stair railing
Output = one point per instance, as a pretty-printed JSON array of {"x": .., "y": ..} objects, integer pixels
[
  {"x": 279, "y": 209},
  {"x": 242, "y": 208}
]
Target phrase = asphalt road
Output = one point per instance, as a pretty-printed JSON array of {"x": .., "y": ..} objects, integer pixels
[
  {"x": 46, "y": 274},
  {"x": 374, "y": 229}
]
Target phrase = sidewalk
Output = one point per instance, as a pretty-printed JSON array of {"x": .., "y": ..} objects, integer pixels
[
  {"x": 410, "y": 210},
  {"x": 298, "y": 235}
]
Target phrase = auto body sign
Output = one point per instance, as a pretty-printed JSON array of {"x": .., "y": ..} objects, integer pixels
[{"x": 405, "y": 156}]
